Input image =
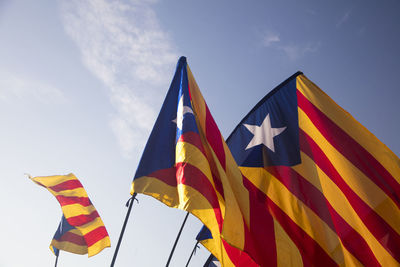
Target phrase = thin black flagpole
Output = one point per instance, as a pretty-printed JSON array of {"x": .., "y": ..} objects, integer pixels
[
  {"x": 55, "y": 265},
  {"x": 193, "y": 252},
  {"x": 130, "y": 203},
  {"x": 176, "y": 240}
]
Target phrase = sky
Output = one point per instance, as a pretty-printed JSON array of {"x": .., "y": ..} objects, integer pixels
[{"x": 82, "y": 81}]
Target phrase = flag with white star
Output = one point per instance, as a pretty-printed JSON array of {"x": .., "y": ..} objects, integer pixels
[
  {"x": 269, "y": 134},
  {"x": 323, "y": 190}
]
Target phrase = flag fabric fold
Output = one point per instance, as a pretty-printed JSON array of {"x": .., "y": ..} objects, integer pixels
[
  {"x": 186, "y": 162},
  {"x": 81, "y": 230},
  {"x": 322, "y": 189},
  {"x": 236, "y": 256}
]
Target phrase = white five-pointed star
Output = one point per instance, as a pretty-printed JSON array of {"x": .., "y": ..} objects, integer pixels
[
  {"x": 182, "y": 110},
  {"x": 263, "y": 134}
]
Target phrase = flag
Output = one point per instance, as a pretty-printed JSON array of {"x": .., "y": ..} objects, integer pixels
[
  {"x": 323, "y": 190},
  {"x": 81, "y": 229},
  {"x": 186, "y": 162}
]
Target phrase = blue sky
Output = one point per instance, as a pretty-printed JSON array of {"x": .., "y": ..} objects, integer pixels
[{"x": 81, "y": 83}]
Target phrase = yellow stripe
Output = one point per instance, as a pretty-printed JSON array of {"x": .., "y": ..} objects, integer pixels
[
  {"x": 236, "y": 182},
  {"x": 155, "y": 188},
  {"x": 90, "y": 226},
  {"x": 77, "y": 192},
  {"x": 310, "y": 171},
  {"x": 70, "y": 247},
  {"x": 218, "y": 250},
  {"x": 198, "y": 102},
  {"x": 204, "y": 211},
  {"x": 233, "y": 187},
  {"x": 367, "y": 190},
  {"x": 236, "y": 200},
  {"x": 302, "y": 215},
  {"x": 76, "y": 210},
  {"x": 186, "y": 152},
  {"x": 350, "y": 125},
  {"x": 49, "y": 181},
  {"x": 287, "y": 252},
  {"x": 99, "y": 246},
  {"x": 75, "y": 231}
]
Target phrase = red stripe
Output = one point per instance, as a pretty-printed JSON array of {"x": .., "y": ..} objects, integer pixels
[
  {"x": 218, "y": 185},
  {"x": 306, "y": 261},
  {"x": 260, "y": 240},
  {"x": 214, "y": 138},
  {"x": 167, "y": 176},
  {"x": 192, "y": 138},
  {"x": 67, "y": 185},
  {"x": 307, "y": 246},
  {"x": 63, "y": 200},
  {"x": 386, "y": 236},
  {"x": 316, "y": 201},
  {"x": 189, "y": 175},
  {"x": 351, "y": 149},
  {"x": 72, "y": 238},
  {"x": 238, "y": 257},
  {"x": 96, "y": 235},
  {"x": 82, "y": 219}
]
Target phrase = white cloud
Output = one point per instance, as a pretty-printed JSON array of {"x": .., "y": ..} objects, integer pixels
[
  {"x": 14, "y": 86},
  {"x": 270, "y": 38},
  {"x": 123, "y": 45}
]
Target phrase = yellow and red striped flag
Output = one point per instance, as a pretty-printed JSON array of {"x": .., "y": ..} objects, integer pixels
[
  {"x": 322, "y": 189},
  {"x": 186, "y": 162},
  {"x": 81, "y": 230}
]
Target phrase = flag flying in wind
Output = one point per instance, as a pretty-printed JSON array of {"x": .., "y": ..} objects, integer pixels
[
  {"x": 186, "y": 162},
  {"x": 81, "y": 229},
  {"x": 322, "y": 189}
]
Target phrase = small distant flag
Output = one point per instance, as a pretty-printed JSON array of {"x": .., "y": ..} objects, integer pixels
[
  {"x": 81, "y": 230},
  {"x": 323, "y": 190}
]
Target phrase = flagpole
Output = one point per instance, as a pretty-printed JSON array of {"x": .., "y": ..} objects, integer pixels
[
  {"x": 176, "y": 240},
  {"x": 55, "y": 265},
  {"x": 130, "y": 203},
  {"x": 193, "y": 252}
]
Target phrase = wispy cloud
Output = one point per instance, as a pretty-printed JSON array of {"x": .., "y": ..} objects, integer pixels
[
  {"x": 297, "y": 51},
  {"x": 292, "y": 51},
  {"x": 343, "y": 19},
  {"x": 123, "y": 45},
  {"x": 14, "y": 86},
  {"x": 270, "y": 38}
]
